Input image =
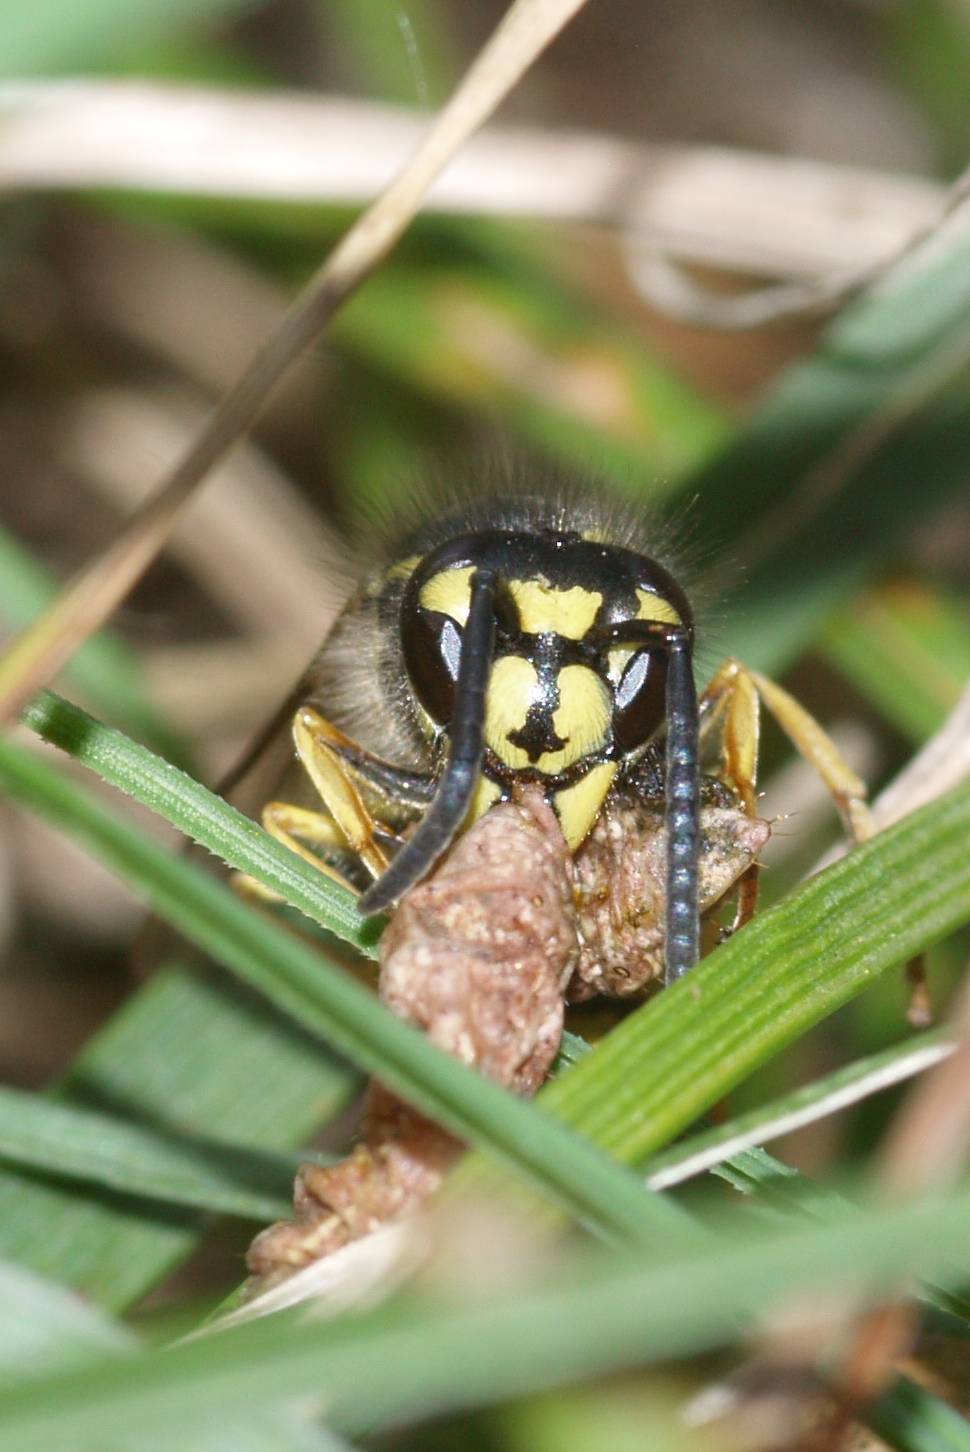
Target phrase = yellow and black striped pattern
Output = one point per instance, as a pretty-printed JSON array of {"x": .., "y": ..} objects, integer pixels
[{"x": 546, "y": 715}]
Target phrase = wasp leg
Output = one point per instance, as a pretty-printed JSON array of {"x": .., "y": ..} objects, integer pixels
[
  {"x": 317, "y": 745},
  {"x": 847, "y": 790},
  {"x": 301, "y": 831},
  {"x": 344, "y": 827},
  {"x": 399, "y": 791},
  {"x": 736, "y": 683},
  {"x": 311, "y": 835},
  {"x": 400, "y": 788},
  {"x": 731, "y": 704}
]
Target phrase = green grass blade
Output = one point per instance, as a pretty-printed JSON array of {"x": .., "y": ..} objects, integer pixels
[
  {"x": 209, "y": 1175},
  {"x": 45, "y": 1329},
  {"x": 201, "y": 815},
  {"x": 825, "y": 1096},
  {"x": 327, "y": 1001},
  {"x": 666, "y": 1064},
  {"x": 169, "y": 1164},
  {"x": 912, "y": 1419},
  {"x": 191, "y": 1056},
  {"x": 401, "y": 1359},
  {"x": 758, "y": 1173}
]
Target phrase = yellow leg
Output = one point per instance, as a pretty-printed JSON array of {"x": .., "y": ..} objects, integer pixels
[
  {"x": 848, "y": 790},
  {"x": 730, "y": 703},
  {"x": 301, "y": 830},
  {"x": 343, "y": 825},
  {"x": 732, "y": 699},
  {"x": 316, "y": 740}
]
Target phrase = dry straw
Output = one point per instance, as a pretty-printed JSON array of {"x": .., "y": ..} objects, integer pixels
[{"x": 45, "y": 647}]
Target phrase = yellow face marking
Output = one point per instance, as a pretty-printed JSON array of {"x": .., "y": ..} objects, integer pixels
[
  {"x": 579, "y": 805},
  {"x": 404, "y": 568},
  {"x": 449, "y": 593},
  {"x": 486, "y": 795},
  {"x": 651, "y": 607},
  {"x": 582, "y": 717},
  {"x": 654, "y": 607},
  {"x": 544, "y": 608},
  {"x": 513, "y": 686}
]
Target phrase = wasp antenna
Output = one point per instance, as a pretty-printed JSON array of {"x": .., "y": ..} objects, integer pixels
[
  {"x": 682, "y": 810},
  {"x": 466, "y": 731}
]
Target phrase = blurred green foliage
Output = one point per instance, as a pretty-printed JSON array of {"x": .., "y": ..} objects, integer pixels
[{"x": 813, "y": 509}]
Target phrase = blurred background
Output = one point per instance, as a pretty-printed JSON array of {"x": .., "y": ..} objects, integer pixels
[{"x": 171, "y": 173}]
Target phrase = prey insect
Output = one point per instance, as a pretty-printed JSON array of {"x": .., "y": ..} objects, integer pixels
[{"x": 503, "y": 738}]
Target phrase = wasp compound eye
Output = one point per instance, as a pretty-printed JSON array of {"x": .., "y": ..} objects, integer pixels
[
  {"x": 457, "y": 784},
  {"x": 434, "y": 614},
  {"x": 431, "y": 642},
  {"x": 640, "y": 700}
]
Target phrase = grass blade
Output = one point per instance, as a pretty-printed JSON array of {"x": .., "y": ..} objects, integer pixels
[
  {"x": 94, "y": 1148},
  {"x": 201, "y": 815},
  {"x": 45, "y": 1329},
  {"x": 912, "y": 1419},
  {"x": 666, "y": 1064},
  {"x": 192, "y": 1055},
  {"x": 398, "y": 1360},
  {"x": 327, "y": 1001},
  {"x": 825, "y": 1096}
]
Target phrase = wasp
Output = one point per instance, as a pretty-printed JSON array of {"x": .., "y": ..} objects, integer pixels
[
  {"x": 505, "y": 745},
  {"x": 529, "y": 638}
]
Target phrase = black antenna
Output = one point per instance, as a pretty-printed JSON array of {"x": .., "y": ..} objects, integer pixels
[
  {"x": 466, "y": 748},
  {"x": 682, "y": 808},
  {"x": 682, "y": 811}
]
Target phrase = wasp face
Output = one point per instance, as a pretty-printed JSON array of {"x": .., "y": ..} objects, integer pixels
[{"x": 577, "y": 682}]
